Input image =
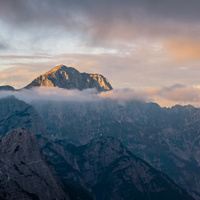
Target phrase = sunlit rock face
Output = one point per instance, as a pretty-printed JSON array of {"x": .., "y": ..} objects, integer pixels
[
  {"x": 24, "y": 173},
  {"x": 70, "y": 78}
]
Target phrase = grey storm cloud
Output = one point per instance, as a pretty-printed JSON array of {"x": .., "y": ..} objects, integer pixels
[
  {"x": 102, "y": 17},
  {"x": 2, "y": 46},
  {"x": 175, "y": 86},
  {"x": 26, "y": 9}
]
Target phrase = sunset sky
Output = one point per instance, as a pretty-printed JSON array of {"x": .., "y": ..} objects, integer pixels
[{"x": 150, "y": 46}]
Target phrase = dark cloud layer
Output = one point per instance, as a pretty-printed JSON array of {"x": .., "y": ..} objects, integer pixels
[
  {"x": 25, "y": 10},
  {"x": 2, "y": 46},
  {"x": 102, "y": 19}
]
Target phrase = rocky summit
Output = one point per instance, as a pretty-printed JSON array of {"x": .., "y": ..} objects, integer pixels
[{"x": 70, "y": 78}]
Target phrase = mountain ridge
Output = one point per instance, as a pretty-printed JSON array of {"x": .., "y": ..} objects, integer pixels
[
  {"x": 110, "y": 171},
  {"x": 167, "y": 138},
  {"x": 6, "y": 88},
  {"x": 108, "y": 117},
  {"x": 70, "y": 78}
]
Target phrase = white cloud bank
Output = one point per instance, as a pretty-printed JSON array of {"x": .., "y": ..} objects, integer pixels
[{"x": 165, "y": 96}]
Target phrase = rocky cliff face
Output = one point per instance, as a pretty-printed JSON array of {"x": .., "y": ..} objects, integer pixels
[
  {"x": 111, "y": 172},
  {"x": 167, "y": 138},
  {"x": 24, "y": 171},
  {"x": 69, "y": 78},
  {"x": 17, "y": 114}
]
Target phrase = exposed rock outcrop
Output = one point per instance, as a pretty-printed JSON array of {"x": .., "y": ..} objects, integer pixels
[
  {"x": 70, "y": 78},
  {"x": 24, "y": 171}
]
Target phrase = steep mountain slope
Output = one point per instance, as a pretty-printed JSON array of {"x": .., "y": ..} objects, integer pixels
[
  {"x": 69, "y": 78},
  {"x": 7, "y": 88},
  {"x": 168, "y": 139},
  {"x": 18, "y": 114},
  {"x": 24, "y": 172},
  {"x": 111, "y": 172}
]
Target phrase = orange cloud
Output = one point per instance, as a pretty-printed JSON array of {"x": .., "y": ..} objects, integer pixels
[
  {"x": 16, "y": 76},
  {"x": 183, "y": 49}
]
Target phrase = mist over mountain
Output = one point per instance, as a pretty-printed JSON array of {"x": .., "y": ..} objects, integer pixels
[
  {"x": 119, "y": 119},
  {"x": 168, "y": 138},
  {"x": 83, "y": 86},
  {"x": 6, "y": 88},
  {"x": 68, "y": 112},
  {"x": 67, "y": 159}
]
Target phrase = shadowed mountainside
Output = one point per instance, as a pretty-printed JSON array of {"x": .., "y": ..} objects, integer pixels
[
  {"x": 24, "y": 172},
  {"x": 18, "y": 114},
  {"x": 107, "y": 117},
  {"x": 110, "y": 171},
  {"x": 168, "y": 139},
  {"x": 7, "y": 88}
]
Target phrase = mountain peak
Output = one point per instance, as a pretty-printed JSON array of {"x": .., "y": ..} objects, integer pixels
[
  {"x": 70, "y": 78},
  {"x": 59, "y": 68}
]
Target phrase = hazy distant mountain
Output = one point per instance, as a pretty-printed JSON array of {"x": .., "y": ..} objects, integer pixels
[
  {"x": 110, "y": 171},
  {"x": 18, "y": 114},
  {"x": 7, "y": 88},
  {"x": 168, "y": 139},
  {"x": 69, "y": 78}
]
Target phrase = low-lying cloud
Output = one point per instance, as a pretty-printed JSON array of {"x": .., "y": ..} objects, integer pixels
[
  {"x": 165, "y": 96},
  {"x": 52, "y": 94},
  {"x": 60, "y": 94}
]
